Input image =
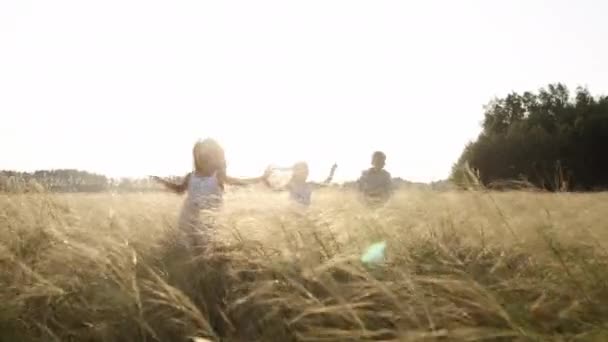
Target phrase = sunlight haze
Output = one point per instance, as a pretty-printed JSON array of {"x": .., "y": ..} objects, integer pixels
[{"x": 125, "y": 88}]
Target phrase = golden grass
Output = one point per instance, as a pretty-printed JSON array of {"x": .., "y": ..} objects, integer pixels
[{"x": 461, "y": 266}]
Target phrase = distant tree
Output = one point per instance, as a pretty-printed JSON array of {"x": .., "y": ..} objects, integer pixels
[
  {"x": 549, "y": 138},
  {"x": 53, "y": 180},
  {"x": 3, "y": 183},
  {"x": 33, "y": 186}
]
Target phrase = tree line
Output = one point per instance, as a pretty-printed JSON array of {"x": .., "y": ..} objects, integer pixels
[
  {"x": 69, "y": 180},
  {"x": 551, "y": 139}
]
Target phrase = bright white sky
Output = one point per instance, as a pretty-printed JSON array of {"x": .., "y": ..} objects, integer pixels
[{"x": 125, "y": 87}]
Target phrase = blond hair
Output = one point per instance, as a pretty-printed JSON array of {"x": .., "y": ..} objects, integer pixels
[{"x": 209, "y": 157}]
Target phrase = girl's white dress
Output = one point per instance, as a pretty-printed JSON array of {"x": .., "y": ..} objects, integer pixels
[{"x": 196, "y": 223}]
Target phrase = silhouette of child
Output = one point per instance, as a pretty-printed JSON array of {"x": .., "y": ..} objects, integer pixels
[
  {"x": 300, "y": 190},
  {"x": 375, "y": 183},
  {"x": 204, "y": 189}
]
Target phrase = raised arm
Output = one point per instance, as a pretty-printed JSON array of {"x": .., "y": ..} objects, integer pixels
[
  {"x": 177, "y": 188},
  {"x": 328, "y": 179},
  {"x": 331, "y": 174}
]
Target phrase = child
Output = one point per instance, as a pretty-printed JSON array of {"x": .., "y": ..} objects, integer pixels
[
  {"x": 375, "y": 183},
  {"x": 299, "y": 189},
  {"x": 204, "y": 187}
]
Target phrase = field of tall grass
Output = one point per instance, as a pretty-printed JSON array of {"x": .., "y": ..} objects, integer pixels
[{"x": 459, "y": 266}]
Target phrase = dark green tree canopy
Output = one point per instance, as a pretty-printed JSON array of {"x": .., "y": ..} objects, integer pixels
[{"x": 550, "y": 139}]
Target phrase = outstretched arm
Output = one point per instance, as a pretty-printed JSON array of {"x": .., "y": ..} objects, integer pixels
[
  {"x": 283, "y": 169},
  {"x": 242, "y": 181},
  {"x": 246, "y": 181},
  {"x": 269, "y": 172},
  {"x": 177, "y": 188}
]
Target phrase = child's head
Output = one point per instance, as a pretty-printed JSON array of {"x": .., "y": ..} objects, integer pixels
[
  {"x": 300, "y": 172},
  {"x": 208, "y": 157},
  {"x": 378, "y": 160}
]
